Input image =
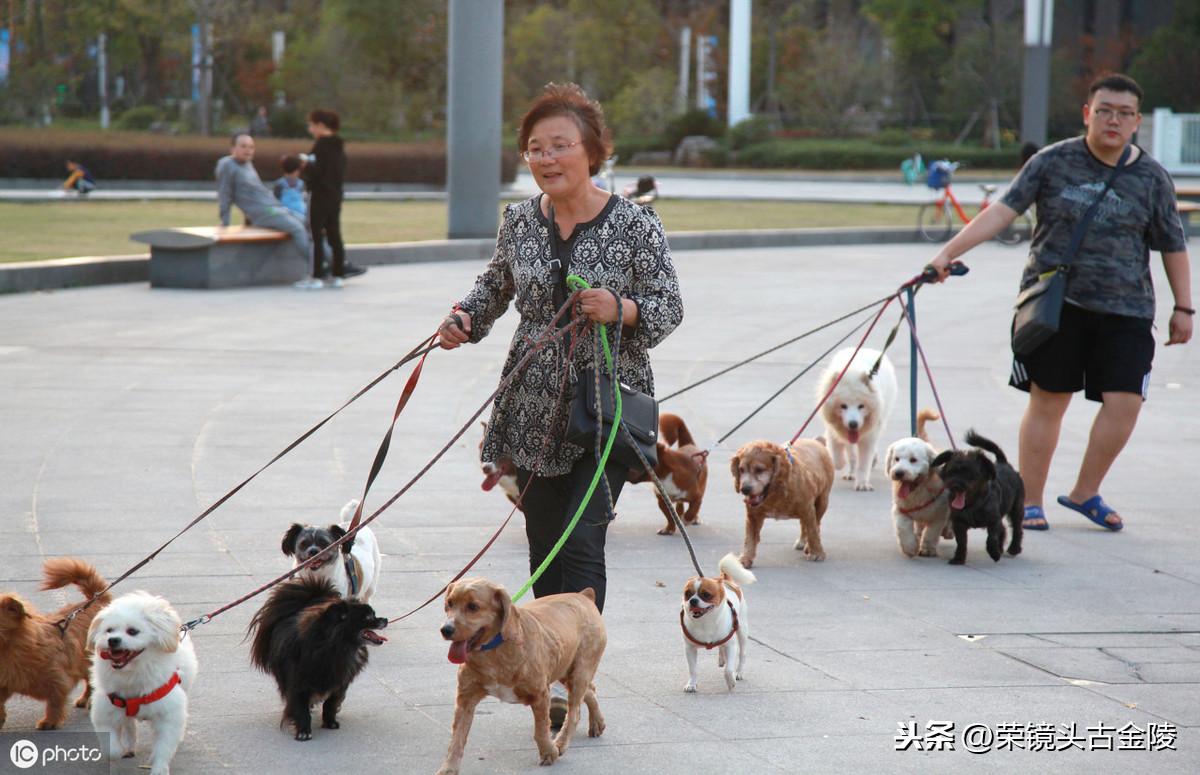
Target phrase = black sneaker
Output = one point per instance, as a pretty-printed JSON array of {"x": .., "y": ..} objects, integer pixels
[{"x": 353, "y": 270}]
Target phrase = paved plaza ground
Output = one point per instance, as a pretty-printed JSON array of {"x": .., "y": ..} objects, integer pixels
[{"x": 125, "y": 411}]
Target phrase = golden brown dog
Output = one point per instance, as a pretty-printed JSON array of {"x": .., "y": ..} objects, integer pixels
[
  {"x": 514, "y": 654},
  {"x": 38, "y": 660},
  {"x": 784, "y": 483}
]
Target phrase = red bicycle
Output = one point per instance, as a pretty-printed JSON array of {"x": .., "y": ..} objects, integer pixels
[{"x": 936, "y": 219}]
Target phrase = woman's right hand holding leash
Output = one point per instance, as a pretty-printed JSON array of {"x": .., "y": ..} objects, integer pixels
[{"x": 455, "y": 330}]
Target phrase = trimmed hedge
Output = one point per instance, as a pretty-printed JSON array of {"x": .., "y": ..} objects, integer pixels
[
  {"x": 860, "y": 155},
  {"x": 29, "y": 153}
]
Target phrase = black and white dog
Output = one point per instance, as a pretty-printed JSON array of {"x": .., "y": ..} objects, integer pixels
[
  {"x": 314, "y": 642},
  {"x": 354, "y": 572},
  {"x": 982, "y": 494}
]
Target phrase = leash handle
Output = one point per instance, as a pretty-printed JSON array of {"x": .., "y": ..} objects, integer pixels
[{"x": 929, "y": 274}]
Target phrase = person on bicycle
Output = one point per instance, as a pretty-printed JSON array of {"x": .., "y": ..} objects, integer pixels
[{"x": 1104, "y": 345}]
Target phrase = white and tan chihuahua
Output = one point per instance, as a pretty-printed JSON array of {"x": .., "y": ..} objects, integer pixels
[{"x": 713, "y": 615}]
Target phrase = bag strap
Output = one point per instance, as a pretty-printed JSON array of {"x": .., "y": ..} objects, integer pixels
[
  {"x": 559, "y": 269},
  {"x": 1081, "y": 227}
]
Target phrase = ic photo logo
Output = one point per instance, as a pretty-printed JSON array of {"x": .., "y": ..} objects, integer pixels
[
  {"x": 23, "y": 754},
  {"x": 61, "y": 752}
]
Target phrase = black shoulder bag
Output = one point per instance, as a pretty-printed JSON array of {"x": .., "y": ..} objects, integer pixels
[
  {"x": 639, "y": 412},
  {"x": 1039, "y": 307}
]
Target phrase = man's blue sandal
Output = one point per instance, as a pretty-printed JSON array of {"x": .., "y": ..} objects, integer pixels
[
  {"x": 1095, "y": 509},
  {"x": 1035, "y": 512}
]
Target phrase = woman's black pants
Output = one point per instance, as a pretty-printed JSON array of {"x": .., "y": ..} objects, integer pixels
[{"x": 549, "y": 506}]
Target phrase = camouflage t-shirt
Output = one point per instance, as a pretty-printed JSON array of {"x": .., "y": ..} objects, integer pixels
[{"x": 1111, "y": 271}]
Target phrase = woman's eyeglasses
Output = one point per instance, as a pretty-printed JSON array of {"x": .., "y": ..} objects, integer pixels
[{"x": 553, "y": 152}]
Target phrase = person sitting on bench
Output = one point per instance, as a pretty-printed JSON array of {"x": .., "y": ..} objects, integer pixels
[{"x": 238, "y": 184}]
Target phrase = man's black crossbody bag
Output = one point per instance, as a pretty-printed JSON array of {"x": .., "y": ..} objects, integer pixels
[
  {"x": 639, "y": 412},
  {"x": 1039, "y": 307}
]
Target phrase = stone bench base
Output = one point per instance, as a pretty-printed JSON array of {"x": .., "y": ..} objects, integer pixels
[{"x": 215, "y": 257}]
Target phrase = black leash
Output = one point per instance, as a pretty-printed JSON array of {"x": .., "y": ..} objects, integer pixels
[{"x": 779, "y": 346}]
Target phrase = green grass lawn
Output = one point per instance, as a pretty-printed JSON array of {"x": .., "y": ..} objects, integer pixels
[{"x": 34, "y": 232}]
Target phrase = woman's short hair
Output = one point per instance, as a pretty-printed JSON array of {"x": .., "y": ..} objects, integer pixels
[
  {"x": 326, "y": 117},
  {"x": 568, "y": 99}
]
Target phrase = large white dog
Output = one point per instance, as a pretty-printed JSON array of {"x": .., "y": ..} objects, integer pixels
[
  {"x": 142, "y": 670},
  {"x": 857, "y": 412}
]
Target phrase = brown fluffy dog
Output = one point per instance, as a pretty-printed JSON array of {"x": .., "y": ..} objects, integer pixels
[
  {"x": 514, "y": 654},
  {"x": 683, "y": 470},
  {"x": 35, "y": 658},
  {"x": 784, "y": 483}
]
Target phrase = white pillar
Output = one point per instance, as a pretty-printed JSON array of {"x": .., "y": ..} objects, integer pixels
[
  {"x": 685, "y": 61},
  {"x": 739, "y": 60},
  {"x": 102, "y": 77}
]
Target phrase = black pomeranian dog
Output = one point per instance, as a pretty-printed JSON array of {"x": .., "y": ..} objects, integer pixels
[
  {"x": 314, "y": 643},
  {"x": 982, "y": 494}
]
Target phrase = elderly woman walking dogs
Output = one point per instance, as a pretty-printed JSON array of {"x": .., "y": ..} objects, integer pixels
[{"x": 613, "y": 244}]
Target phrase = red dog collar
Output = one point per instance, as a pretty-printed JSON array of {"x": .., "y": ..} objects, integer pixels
[
  {"x": 909, "y": 512},
  {"x": 722, "y": 641},
  {"x": 133, "y": 704}
]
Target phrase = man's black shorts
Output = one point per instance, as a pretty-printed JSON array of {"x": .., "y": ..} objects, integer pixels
[{"x": 1093, "y": 352}]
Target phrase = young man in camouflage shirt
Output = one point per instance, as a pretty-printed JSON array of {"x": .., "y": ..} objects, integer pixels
[{"x": 1105, "y": 343}]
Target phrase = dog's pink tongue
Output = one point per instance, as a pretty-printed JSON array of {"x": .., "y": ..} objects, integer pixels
[
  {"x": 960, "y": 500},
  {"x": 490, "y": 480},
  {"x": 905, "y": 489},
  {"x": 852, "y": 436},
  {"x": 458, "y": 652}
]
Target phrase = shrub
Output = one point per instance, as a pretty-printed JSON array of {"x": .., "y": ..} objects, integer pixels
[
  {"x": 288, "y": 121},
  {"x": 756, "y": 129},
  {"x": 138, "y": 119},
  {"x": 136, "y": 156},
  {"x": 694, "y": 122}
]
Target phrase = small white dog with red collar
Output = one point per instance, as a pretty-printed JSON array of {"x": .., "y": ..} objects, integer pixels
[
  {"x": 713, "y": 615},
  {"x": 142, "y": 670}
]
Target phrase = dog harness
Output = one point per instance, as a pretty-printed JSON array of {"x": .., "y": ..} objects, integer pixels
[
  {"x": 909, "y": 512},
  {"x": 713, "y": 645},
  {"x": 354, "y": 574},
  {"x": 133, "y": 704}
]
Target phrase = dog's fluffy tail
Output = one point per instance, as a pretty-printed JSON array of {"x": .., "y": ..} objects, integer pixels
[
  {"x": 59, "y": 572},
  {"x": 975, "y": 440},
  {"x": 674, "y": 430},
  {"x": 924, "y": 416},
  {"x": 731, "y": 567},
  {"x": 348, "y": 510}
]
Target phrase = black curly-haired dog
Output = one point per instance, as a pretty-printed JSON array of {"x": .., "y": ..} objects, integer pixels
[
  {"x": 314, "y": 643},
  {"x": 982, "y": 494}
]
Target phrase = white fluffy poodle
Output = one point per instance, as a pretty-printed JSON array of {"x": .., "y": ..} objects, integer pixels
[{"x": 142, "y": 670}]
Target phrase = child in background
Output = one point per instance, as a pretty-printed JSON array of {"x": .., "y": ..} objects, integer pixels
[
  {"x": 289, "y": 189},
  {"x": 80, "y": 180}
]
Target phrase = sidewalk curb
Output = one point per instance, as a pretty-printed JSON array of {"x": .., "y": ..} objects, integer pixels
[{"x": 86, "y": 271}]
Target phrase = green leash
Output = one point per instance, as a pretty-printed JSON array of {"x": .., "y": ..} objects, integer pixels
[{"x": 576, "y": 283}]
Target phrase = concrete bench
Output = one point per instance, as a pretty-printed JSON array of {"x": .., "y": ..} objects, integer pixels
[{"x": 221, "y": 257}]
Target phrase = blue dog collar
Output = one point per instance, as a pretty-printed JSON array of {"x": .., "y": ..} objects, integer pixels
[{"x": 493, "y": 643}]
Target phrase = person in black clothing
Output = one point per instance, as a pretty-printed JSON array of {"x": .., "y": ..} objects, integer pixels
[{"x": 324, "y": 172}]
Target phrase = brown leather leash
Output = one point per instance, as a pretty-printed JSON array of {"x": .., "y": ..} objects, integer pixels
[
  {"x": 548, "y": 334},
  {"x": 421, "y": 350}
]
